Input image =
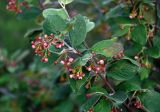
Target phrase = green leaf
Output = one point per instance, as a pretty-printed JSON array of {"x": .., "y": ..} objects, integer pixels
[
  {"x": 90, "y": 103},
  {"x": 76, "y": 85},
  {"x": 122, "y": 70},
  {"x": 65, "y": 1},
  {"x": 103, "y": 106},
  {"x": 121, "y": 32},
  {"x": 52, "y": 11},
  {"x": 133, "y": 49},
  {"x": 30, "y": 13},
  {"x": 108, "y": 48},
  {"x": 67, "y": 106},
  {"x": 139, "y": 34},
  {"x": 97, "y": 90},
  {"x": 31, "y": 34},
  {"x": 53, "y": 49},
  {"x": 149, "y": 15},
  {"x": 153, "y": 52},
  {"x": 116, "y": 11},
  {"x": 123, "y": 20},
  {"x": 132, "y": 61},
  {"x": 119, "y": 97},
  {"x": 54, "y": 24},
  {"x": 156, "y": 41},
  {"x": 128, "y": 86},
  {"x": 150, "y": 100},
  {"x": 78, "y": 33},
  {"x": 89, "y": 25},
  {"x": 144, "y": 73},
  {"x": 82, "y": 61}
]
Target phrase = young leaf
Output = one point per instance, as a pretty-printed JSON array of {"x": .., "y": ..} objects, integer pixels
[
  {"x": 52, "y": 11},
  {"x": 54, "y": 24},
  {"x": 139, "y": 34},
  {"x": 78, "y": 33},
  {"x": 108, "y": 48},
  {"x": 90, "y": 25},
  {"x": 122, "y": 70},
  {"x": 65, "y": 1}
]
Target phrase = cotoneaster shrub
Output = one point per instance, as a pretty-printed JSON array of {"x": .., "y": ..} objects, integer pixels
[{"x": 115, "y": 74}]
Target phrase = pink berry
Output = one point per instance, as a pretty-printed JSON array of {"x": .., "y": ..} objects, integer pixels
[
  {"x": 71, "y": 76},
  {"x": 89, "y": 68},
  {"x": 62, "y": 62},
  {"x": 70, "y": 59},
  {"x": 101, "y": 62},
  {"x": 33, "y": 46}
]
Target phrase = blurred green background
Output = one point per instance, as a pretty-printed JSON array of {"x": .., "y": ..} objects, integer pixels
[
  {"x": 12, "y": 29},
  {"x": 26, "y": 84}
]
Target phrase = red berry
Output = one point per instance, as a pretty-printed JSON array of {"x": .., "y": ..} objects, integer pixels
[
  {"x": 88, "y": 95},
  {"x": 90, "y": 110},
  {"x": 138, "y": 104},
  {"x": 44, "y": 59},
  {"x": 55, "y": 62}
]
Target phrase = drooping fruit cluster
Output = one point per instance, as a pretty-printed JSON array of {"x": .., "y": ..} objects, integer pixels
[
  {"x": 42, "y": 43},
  {"x": 14, "y": 6},
  {"x": 99, "y": 67}
]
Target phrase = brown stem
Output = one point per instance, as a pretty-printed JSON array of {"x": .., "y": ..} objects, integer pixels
[
  {"x": 127, "y": 107},
  {"x": 41, "y": 4},
  {"x": 132, "y": 2},
  {"x": 107, "y": 84}
]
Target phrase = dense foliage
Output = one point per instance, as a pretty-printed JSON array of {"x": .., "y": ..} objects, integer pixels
[{"x": 97, "y": 56}]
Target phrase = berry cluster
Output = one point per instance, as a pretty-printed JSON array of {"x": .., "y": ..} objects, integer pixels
[
  {"x": 138, "y": 104},
  {"x": 134, "y": 14},
  {"x": 115, "y": 110},
  {"x": 75, "y": 73},
  {"x": 41, "y": 45},
  {"x": 120, "y": 55},
  {"x": 14, "y": 6},
  {"x": 99, "y": 67}
]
